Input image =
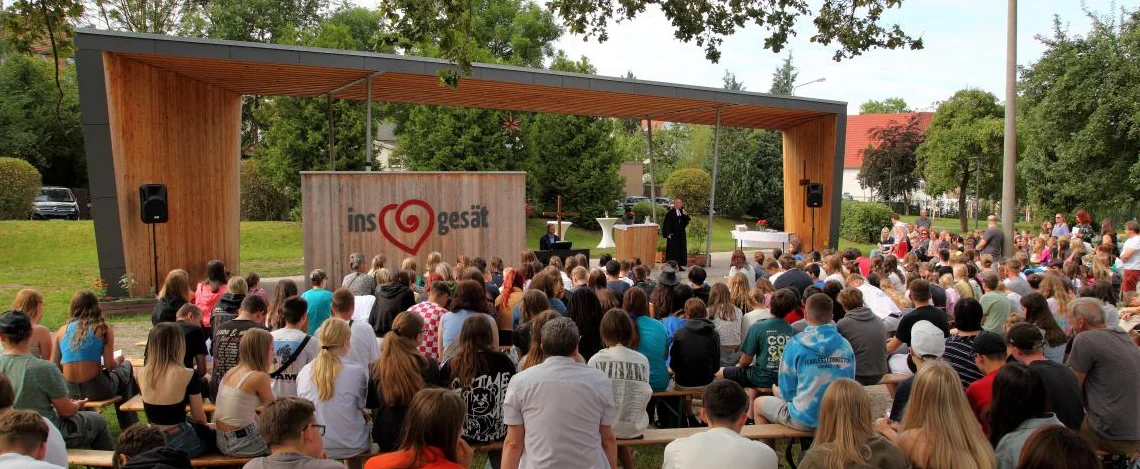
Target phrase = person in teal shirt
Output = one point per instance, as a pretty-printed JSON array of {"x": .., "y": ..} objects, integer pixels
[
  {"x": 319, "y": 299},
  {"x": 652, "y": 339}
]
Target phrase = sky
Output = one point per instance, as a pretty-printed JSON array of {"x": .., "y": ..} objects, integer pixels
[{"x": 964, "y": 47}]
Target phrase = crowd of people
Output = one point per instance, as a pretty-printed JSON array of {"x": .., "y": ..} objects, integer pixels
[{"x": 1025, "y": 361}]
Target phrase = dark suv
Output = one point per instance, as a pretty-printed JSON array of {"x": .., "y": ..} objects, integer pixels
[{"x": 55, "y": 202}]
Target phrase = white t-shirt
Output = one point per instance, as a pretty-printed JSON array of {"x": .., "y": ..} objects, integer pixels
[
  {"x": 877, "y": 301},
  {"x": 19, "y": 461},
  {"x": 629, "y": 372},
  {"x": 285, "y": 341},
  {"x": 719, "y": 447},
  {"x": 753, "y": 317},
  {"x": 838, "y": 277},
  {"x": 1132, "y": 263},
  {"x": 346, "y": 431},
  {"x": 363, "y": 347},
  {"x": 56, "y": 448},
  {"x": 748, "y": 272}
]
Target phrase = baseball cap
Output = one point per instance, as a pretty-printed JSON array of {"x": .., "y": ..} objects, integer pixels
[
  {"x": 926, "y": 339},
  {"x": 15, "y": 324},
  {"x": 1025, "y": 336},
  {"x": 989, "y": 343}
]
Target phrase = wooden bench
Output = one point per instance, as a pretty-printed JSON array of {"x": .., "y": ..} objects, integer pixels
[
  {"x": 135, "y": 404},
  {"x": 664, "y": 436},
  {"x": 893, "y": 378},
  {"x": 96, "y": 458},
  {"x": 98, "y": 406}
]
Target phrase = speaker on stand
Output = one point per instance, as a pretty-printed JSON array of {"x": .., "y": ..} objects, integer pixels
[
  {"x": 814, "y": 198},
  {"x": 153, "y": 210}
]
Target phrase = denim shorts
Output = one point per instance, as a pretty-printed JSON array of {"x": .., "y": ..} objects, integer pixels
[
  {"x": 182, "y": 437},
  {"x": 244, "y": 443}
]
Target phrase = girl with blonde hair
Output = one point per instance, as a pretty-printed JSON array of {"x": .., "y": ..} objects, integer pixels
[
  {"x": 845, "y": 437},
  {"x": 337, "y": 388},
  {"x": 729, "y": 322},
  {"x": 399, "y": 373},
  {"x": 240, "y": 392},
  {"x": 740, "y": 291},
  {"x": 1053, "y": 289},
  {"x": 175, "y": 292},
  {"x": 168, "y": 387},
  {"x": 939, "y": 431},
  {"x": 433, "y": 259},
  {"x": 31, "y": 302}
]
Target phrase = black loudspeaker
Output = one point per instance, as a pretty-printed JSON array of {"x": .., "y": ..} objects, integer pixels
[
  {"x": 814, "y": 195},
  {"x": 152, "y": 203}
]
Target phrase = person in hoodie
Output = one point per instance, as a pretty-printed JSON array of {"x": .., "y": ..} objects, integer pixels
[
  {"x": 812, "y": 360},
  {"x": 319, "y": 301},
  {"x": 392, "y": 299},
  {"x": 175, "y": 293},
  {"x": 695, "y": 356},
  {"x": 228, "y": 305},
  {"x": 144, "y": 447},
  {"x": 867, "y": 335},
  {"x": 289, "y": 426}
]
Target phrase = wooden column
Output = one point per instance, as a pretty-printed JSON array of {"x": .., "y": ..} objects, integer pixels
[
  {"x": 809, "y": 153},
  {"x": 169, "y": 129}
]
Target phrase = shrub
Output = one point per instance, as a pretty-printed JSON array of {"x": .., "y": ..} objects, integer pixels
[
  {"x": 641, "y": 210},
  {"x": 692, "y": 186},
  {"x": 260, "y": 199},
  {"x": 860, "y": 222},
  {"x": 696, "y": 234},
  {"x": 20, "y": 182}
]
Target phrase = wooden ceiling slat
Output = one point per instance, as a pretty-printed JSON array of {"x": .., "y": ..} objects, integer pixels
[{"x": 310, "y": 81}]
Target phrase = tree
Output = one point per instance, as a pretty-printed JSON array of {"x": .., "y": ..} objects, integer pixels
[
  {"x": 854, "y": 25},
  {"x": 783, "y": 80},
  {"x": 889, "y": 164},
  {"x": 965, "y": 136},
  {"x": 30, "y": 128},
  {"x": 31, "y": 23},
  {"x": 887, "y": 106},
  {"x": 1080, "y": 108},
  {"x": 145, "y": 16},
  {"x": 692, "y": 186},
  {"x": 750, "y": 179}
]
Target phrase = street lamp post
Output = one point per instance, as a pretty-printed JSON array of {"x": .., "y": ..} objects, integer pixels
[{"x": 817, "y": 80}]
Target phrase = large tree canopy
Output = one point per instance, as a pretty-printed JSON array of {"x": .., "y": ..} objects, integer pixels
[
  {"x": 887, "y": 106},
  {"x": 854, "y": 25},
  {"x": 889, "y": 164},
  {"x": 1081, "y": 113},
  {"x": 965, "y": 136}
]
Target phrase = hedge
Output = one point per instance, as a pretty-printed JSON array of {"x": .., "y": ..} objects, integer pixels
[
  {"x": 20, "y": 182},
  {"x": 641, "y": 210},
  {"x": 861, "y": 222},
  {"x": 260, "y": 200},
  {"x": 692, "y": 186}
]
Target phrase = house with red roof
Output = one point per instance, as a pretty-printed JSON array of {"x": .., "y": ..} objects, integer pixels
[{"x": 859, "y": 138}]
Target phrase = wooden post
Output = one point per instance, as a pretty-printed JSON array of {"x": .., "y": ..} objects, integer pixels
[{"x": 557, "y": 213}]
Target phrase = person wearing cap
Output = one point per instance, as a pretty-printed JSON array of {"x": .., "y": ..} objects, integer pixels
[
  {"x": 358, "y": 281},
  {"x": 1107, "y": 365},
  {"x": 812, "y": 360},
  {"x": 960, "y": 346},
  {"x": 923, "y": 311},
  {"x": 1026, "y": 345},
  {"x": 992, "y": 239},
  {"x": 989, "y": 356},
  {"x": 927, "y": 344},
  {"x": 40, "y": 387}
]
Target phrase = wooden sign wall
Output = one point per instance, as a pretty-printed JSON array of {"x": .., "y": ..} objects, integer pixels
[{"x": 410, "y": 214}]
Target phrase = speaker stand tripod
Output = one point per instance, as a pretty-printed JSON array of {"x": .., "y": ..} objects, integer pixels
[
  {"x": 154, "y": 251},
  {"x": 814, "y": 213}
]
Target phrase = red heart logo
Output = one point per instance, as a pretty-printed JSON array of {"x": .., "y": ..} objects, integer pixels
[{"x": 409, "y": 224}]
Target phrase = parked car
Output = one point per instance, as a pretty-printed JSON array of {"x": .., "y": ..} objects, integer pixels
[
  {"x": 55, "y": 202},
  {"x": 847, "y": 196},
  {"x": 663, "y": 201},
  {"x": 625, "y": 204}
]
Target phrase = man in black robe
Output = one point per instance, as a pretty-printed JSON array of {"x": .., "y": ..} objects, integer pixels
[{"x": 673, "y": 230}]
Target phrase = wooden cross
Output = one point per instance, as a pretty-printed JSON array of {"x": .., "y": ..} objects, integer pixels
[{"x": 558, "y": 213}]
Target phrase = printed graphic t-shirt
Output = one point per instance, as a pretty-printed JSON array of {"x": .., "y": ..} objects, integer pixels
[
  {"x": 629, "y": 372},
  {"x": 765, "y": 342},
  {"x": 484, "y": 397},
  {"x": 224, "y": 349},
  {"x": 285, "y": 342}
]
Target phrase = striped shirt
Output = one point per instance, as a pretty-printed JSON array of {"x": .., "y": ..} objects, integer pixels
[{"x": 960, "y": 355}]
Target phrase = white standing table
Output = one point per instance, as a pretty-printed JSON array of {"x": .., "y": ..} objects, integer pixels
[{"x": 607, "y": 225}]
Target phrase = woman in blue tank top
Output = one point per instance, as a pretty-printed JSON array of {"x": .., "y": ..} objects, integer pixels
[{"x": 85, "y": 350}]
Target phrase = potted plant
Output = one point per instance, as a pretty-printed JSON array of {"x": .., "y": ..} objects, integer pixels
[
  {"x": 660, "y": 251},
  {"x": 697, "y": 233},
  {"x": 128, "y": 305}
]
